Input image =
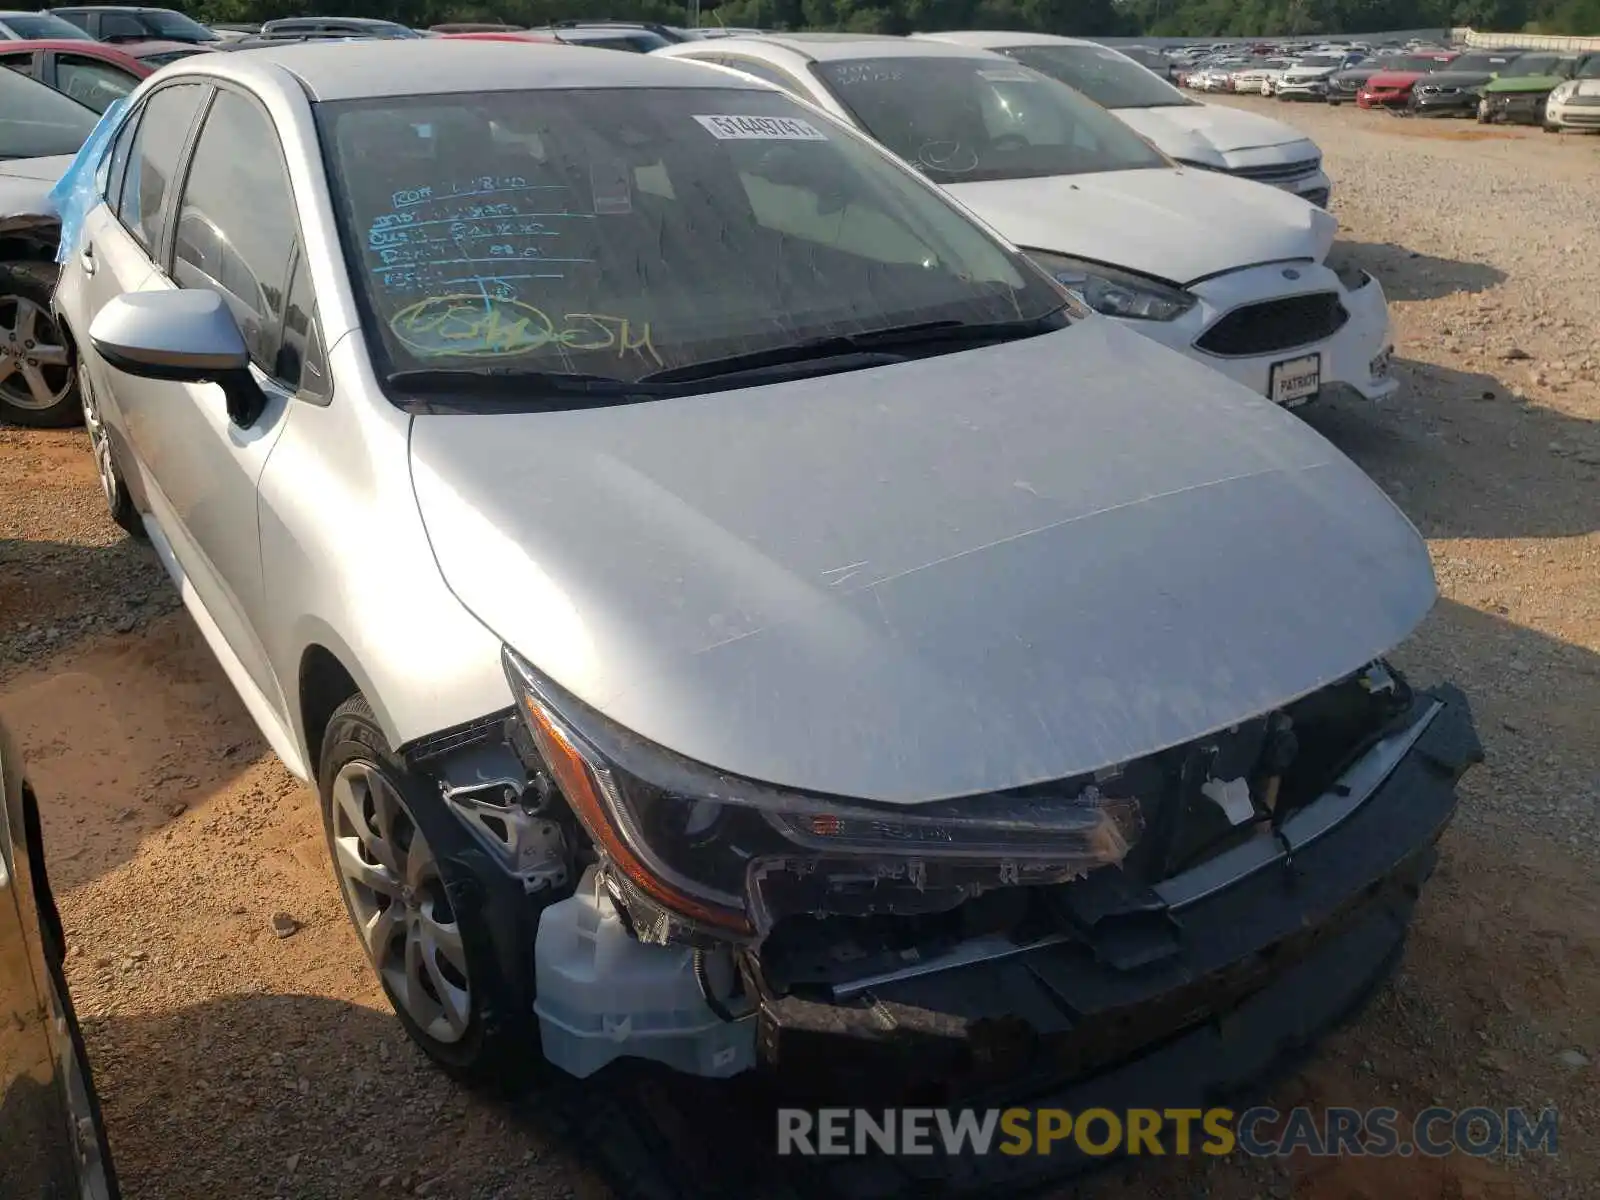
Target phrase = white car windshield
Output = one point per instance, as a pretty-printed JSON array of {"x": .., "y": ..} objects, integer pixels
[
  {"x": 620, "y": 233},
  {"x": 963, "y": 120},
  {"x": 1103, "y": 75}
]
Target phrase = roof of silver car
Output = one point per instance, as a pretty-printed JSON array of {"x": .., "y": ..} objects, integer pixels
[{"x": 438, "y": 66}]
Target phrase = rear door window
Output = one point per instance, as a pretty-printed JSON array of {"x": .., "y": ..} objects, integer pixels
[
  {"x": 152, "y": 161},
  {"x": 92, "y": 82}
]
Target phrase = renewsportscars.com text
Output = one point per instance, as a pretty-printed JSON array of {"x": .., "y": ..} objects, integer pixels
[{"x": 1258, "y": 1132}]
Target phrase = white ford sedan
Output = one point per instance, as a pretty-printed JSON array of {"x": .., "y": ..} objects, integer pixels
[
  {"x": 1231, "y": 273},
  {"x": 1212, "y": 136}
]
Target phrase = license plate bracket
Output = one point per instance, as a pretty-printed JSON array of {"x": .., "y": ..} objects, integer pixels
[{"x": 1295, "y": 381}]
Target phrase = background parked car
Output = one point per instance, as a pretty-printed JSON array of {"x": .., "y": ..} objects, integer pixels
[
  {"x": 52, "y": 1139},
  {"x": 365, "y": 27},
  {"x": 1576, "y": 103},
  {"x": 1308, "y": 78},
  {"x": 1393, "y": 87},
  {"x": 1260, "y": 76},
  {"x": 40, "y": 130},
  {"x": 1519, "y": 93},
  {"x": 635, "y": 37},
  {"x": 1456, "y": 90},
  {"x": 1347, "y": 84},
  {"x": 116, "y": 23},
  {"x": 20, "y": 26},
  {"x": 94, "y": 74},
  {"x": 1198, "y": 269},
  {"x": 1214, "y": 137}
]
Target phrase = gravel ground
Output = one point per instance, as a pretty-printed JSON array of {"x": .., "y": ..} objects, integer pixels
[{"x": 236, "y": 1061}]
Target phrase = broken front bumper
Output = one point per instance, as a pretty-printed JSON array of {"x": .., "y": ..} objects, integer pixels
[{"x": 1169, "y": 996}]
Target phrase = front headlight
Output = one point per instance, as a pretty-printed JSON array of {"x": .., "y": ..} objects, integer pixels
[
  {"x": 1116, "y": 293},
  {"x": 1561, "y": 91},
  {"x": 700, "y": 848}
]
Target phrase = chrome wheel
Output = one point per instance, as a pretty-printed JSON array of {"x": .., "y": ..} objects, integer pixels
[
  {"x": 101, "y": 445},
  {"x": 396, "y": 895},
  {"x": 35, "y": 370}
]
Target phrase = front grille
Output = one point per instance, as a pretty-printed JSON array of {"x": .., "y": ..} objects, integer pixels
[
  {"x": 1274, "y": 325},
  {"x": 1436, "y": 89},
  {"x": 1346, "y": 85},
  {"x": 1278, "y": 172}
]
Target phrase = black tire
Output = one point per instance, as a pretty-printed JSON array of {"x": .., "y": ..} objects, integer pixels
[
  {"x": 32, "y": 284},
  {"x": 498, "y": 1051}
]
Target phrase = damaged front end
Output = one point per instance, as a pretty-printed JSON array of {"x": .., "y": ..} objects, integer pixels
[{"x": 719, "y": 921}]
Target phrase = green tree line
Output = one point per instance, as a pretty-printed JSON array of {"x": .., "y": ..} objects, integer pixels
[{"x": 1091, "y": 18}]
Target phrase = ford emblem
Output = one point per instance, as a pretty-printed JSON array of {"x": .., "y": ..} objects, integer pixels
[{"x": 1290, "y": 273}]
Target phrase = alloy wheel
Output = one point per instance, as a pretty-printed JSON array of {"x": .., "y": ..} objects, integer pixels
[
  {"x": 35, "y": 369},
  {"x": 101, "y": 445},
  {"x": 397, "y": 898}
]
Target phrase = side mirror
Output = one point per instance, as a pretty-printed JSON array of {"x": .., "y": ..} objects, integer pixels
[{"x": 187, "y": 336}]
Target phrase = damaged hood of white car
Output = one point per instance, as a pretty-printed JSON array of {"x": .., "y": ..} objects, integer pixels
[
  {"x": 932, "y": 579},
  {"x": 1174, "y": 224},
  {"x": 25, "y": 185},
  {"x": 1205, "y": 132}
]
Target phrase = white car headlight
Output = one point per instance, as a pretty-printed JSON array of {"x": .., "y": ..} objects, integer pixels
[
  {"x": 1116, "y": 293},
  {"x": 1562, "y": 91}
]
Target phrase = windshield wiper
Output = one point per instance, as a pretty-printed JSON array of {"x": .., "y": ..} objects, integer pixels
[
  {"x": 511, "y": 380},
  {"x": 854, "y": 351}
]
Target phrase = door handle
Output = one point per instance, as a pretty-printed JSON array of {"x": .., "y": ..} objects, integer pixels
[{"x": 86, "y": 258}]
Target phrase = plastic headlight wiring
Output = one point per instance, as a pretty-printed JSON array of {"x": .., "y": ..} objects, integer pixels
[
  {"x": 695, "y": 843},
  {"x": 1116, "y": 293}
]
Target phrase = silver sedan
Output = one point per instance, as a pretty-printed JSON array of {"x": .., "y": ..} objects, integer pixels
[{"x": 711, "y": 579}]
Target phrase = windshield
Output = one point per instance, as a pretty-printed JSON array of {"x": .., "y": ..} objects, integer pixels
[
  {"x": 1422, "y": 63},
  {"x": 37, "y": 121},
  {"x": 1532, "y": 64},
  {"x": 623, "y": 232},
  {"x": 963, "y": 120},
  {"x": 1589, "y": 70},
  {"x": 27, "y": 26},
  {"x": 176, "y": 27},
  {"x": 1104, "y": 76}
]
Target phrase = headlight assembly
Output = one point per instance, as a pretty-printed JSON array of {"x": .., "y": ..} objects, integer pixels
[
  {"x": 1116, "y": 293},
  {"x": 713, "y": 856}
]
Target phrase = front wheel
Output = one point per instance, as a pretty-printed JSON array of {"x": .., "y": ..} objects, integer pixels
[
  {"x": 38, "y": 379},
  {"x": 418, "y": 911}
]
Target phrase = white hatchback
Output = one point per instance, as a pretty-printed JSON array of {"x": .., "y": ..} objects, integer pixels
[{"x": 1229, "y": 272}]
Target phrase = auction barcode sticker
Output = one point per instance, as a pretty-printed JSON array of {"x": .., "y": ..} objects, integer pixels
[{"x": 783, "y": 129}]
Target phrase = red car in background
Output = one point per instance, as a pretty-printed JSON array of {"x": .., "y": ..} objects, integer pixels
[
  {"x": 95, "y": 74},
  {"x": 1391, "y": 88}
]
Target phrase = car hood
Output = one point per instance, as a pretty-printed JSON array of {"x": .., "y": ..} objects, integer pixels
[
  {"x": 25, "y": 185},
  {"x": 1180, "y": 130},
  {"x": 1176, "y": 224},
  {"x": 1394, "y": 79},
  {"x": 1525, "y": 83},
  {"x": 1586, "y": 87},
  {"x": 937, "y": 578},
  {"x": 1309, "y": 72}
]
